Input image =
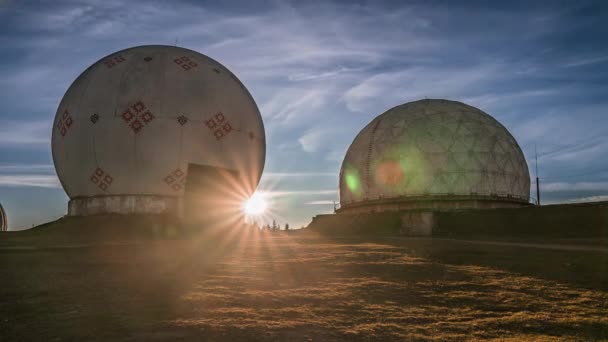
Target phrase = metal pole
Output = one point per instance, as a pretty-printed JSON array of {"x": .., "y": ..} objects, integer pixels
[
  {"x": 537, "y": 191},
  {"x": 537, "y": 178}
]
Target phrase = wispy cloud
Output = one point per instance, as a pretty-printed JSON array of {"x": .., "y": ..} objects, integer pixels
[
  {"x": 26, "y": 168},
  {"x": 325, "y": 74},
  {"x": 315, "y": 138},
  {"x": 282, "y": 193},
  {"x": 25, "y": 133},
  {"x": 295, "y": 174},
  {"x": 576, "y": 186},
  {"x": 599, "y": 198},
  {"x": 586, "y": 61},
  {"x": 287, "y": 105},
  {"x": 392, "y": 88},
  {"x": 321, "y": 202},
  {"x": 41, "y": 181}
]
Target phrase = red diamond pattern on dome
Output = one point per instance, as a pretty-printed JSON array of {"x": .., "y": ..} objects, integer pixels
[
  {"x": 176, "y": 179},
  {"x": 218, "y": 125},
  {"x": 185, "y": 63},
  {"x": 127, "y": 115},
  {"x": 227, "y": 128},
  {"x": 138, "y": 107},
  {"x": 113, "y": 61},
  {"x": 137, "y": 116},
  {"x": 182, "y": 119},
  {"x": 136, "y": 125},
  {"x": 64, "y": 123},
  {"x": 102, "y": 179},
  {"x": 147, "y": 116},
  {"x": 210, "y": 124}
]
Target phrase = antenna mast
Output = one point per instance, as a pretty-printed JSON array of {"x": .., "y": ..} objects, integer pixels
[{"x": 537, "y": 179}]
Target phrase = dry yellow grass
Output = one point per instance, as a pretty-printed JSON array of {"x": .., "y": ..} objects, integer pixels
[
  {"x": 375, "y": 291},
  {"x": 296, "y": 287}
]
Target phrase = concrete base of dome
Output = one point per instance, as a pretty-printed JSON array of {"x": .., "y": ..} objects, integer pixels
[
  {"x": 124, "y": 204},
  {"x": 432, "y": 203},
  {"x": 543, "y": 222},
  {"x": 406, "y": 223},
  {"x": 411, "y": 216}
]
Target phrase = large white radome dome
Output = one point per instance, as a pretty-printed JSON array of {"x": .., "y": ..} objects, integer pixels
[
  {"x": 129, "y": 126},
  {"x": 435, "y": 153}
]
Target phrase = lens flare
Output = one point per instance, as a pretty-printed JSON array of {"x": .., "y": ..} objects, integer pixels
[
  {"x": 389, "y": 173},
  {"x": 256, "y": 205}
]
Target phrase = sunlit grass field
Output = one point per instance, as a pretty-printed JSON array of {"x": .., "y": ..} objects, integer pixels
[{"x": 244, "y": 285}]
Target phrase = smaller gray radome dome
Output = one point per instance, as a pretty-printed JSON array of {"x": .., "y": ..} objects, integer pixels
[{"x": 433, "y": 148}]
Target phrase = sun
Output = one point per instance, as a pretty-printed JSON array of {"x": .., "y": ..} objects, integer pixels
[{"x": 256, "y": 205}]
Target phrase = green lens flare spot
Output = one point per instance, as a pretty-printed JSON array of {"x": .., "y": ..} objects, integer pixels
[{"x": 352, "y": 180}]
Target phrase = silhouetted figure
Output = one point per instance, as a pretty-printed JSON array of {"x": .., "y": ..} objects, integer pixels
[
  {"x": 286, "y": 226},
  {"x": 274, "y": 225}
]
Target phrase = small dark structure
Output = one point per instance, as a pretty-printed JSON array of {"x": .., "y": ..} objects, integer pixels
[
  {"x": 213, "y": 194},
  {"x": 3, "y": 220}
]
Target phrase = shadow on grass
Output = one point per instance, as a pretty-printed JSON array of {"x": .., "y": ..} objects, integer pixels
[{"x": 235, "y": 285}]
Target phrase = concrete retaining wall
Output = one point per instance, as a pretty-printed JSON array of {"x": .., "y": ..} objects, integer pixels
[
  {"x": 417, "y": 223},
  {"x": 586, "y": 220}
]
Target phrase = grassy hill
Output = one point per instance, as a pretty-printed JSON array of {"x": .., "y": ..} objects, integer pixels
[{"x": 131, "y": 279}]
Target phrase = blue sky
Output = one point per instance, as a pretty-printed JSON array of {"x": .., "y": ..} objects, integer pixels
[{"x": 320, "y": 71}]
